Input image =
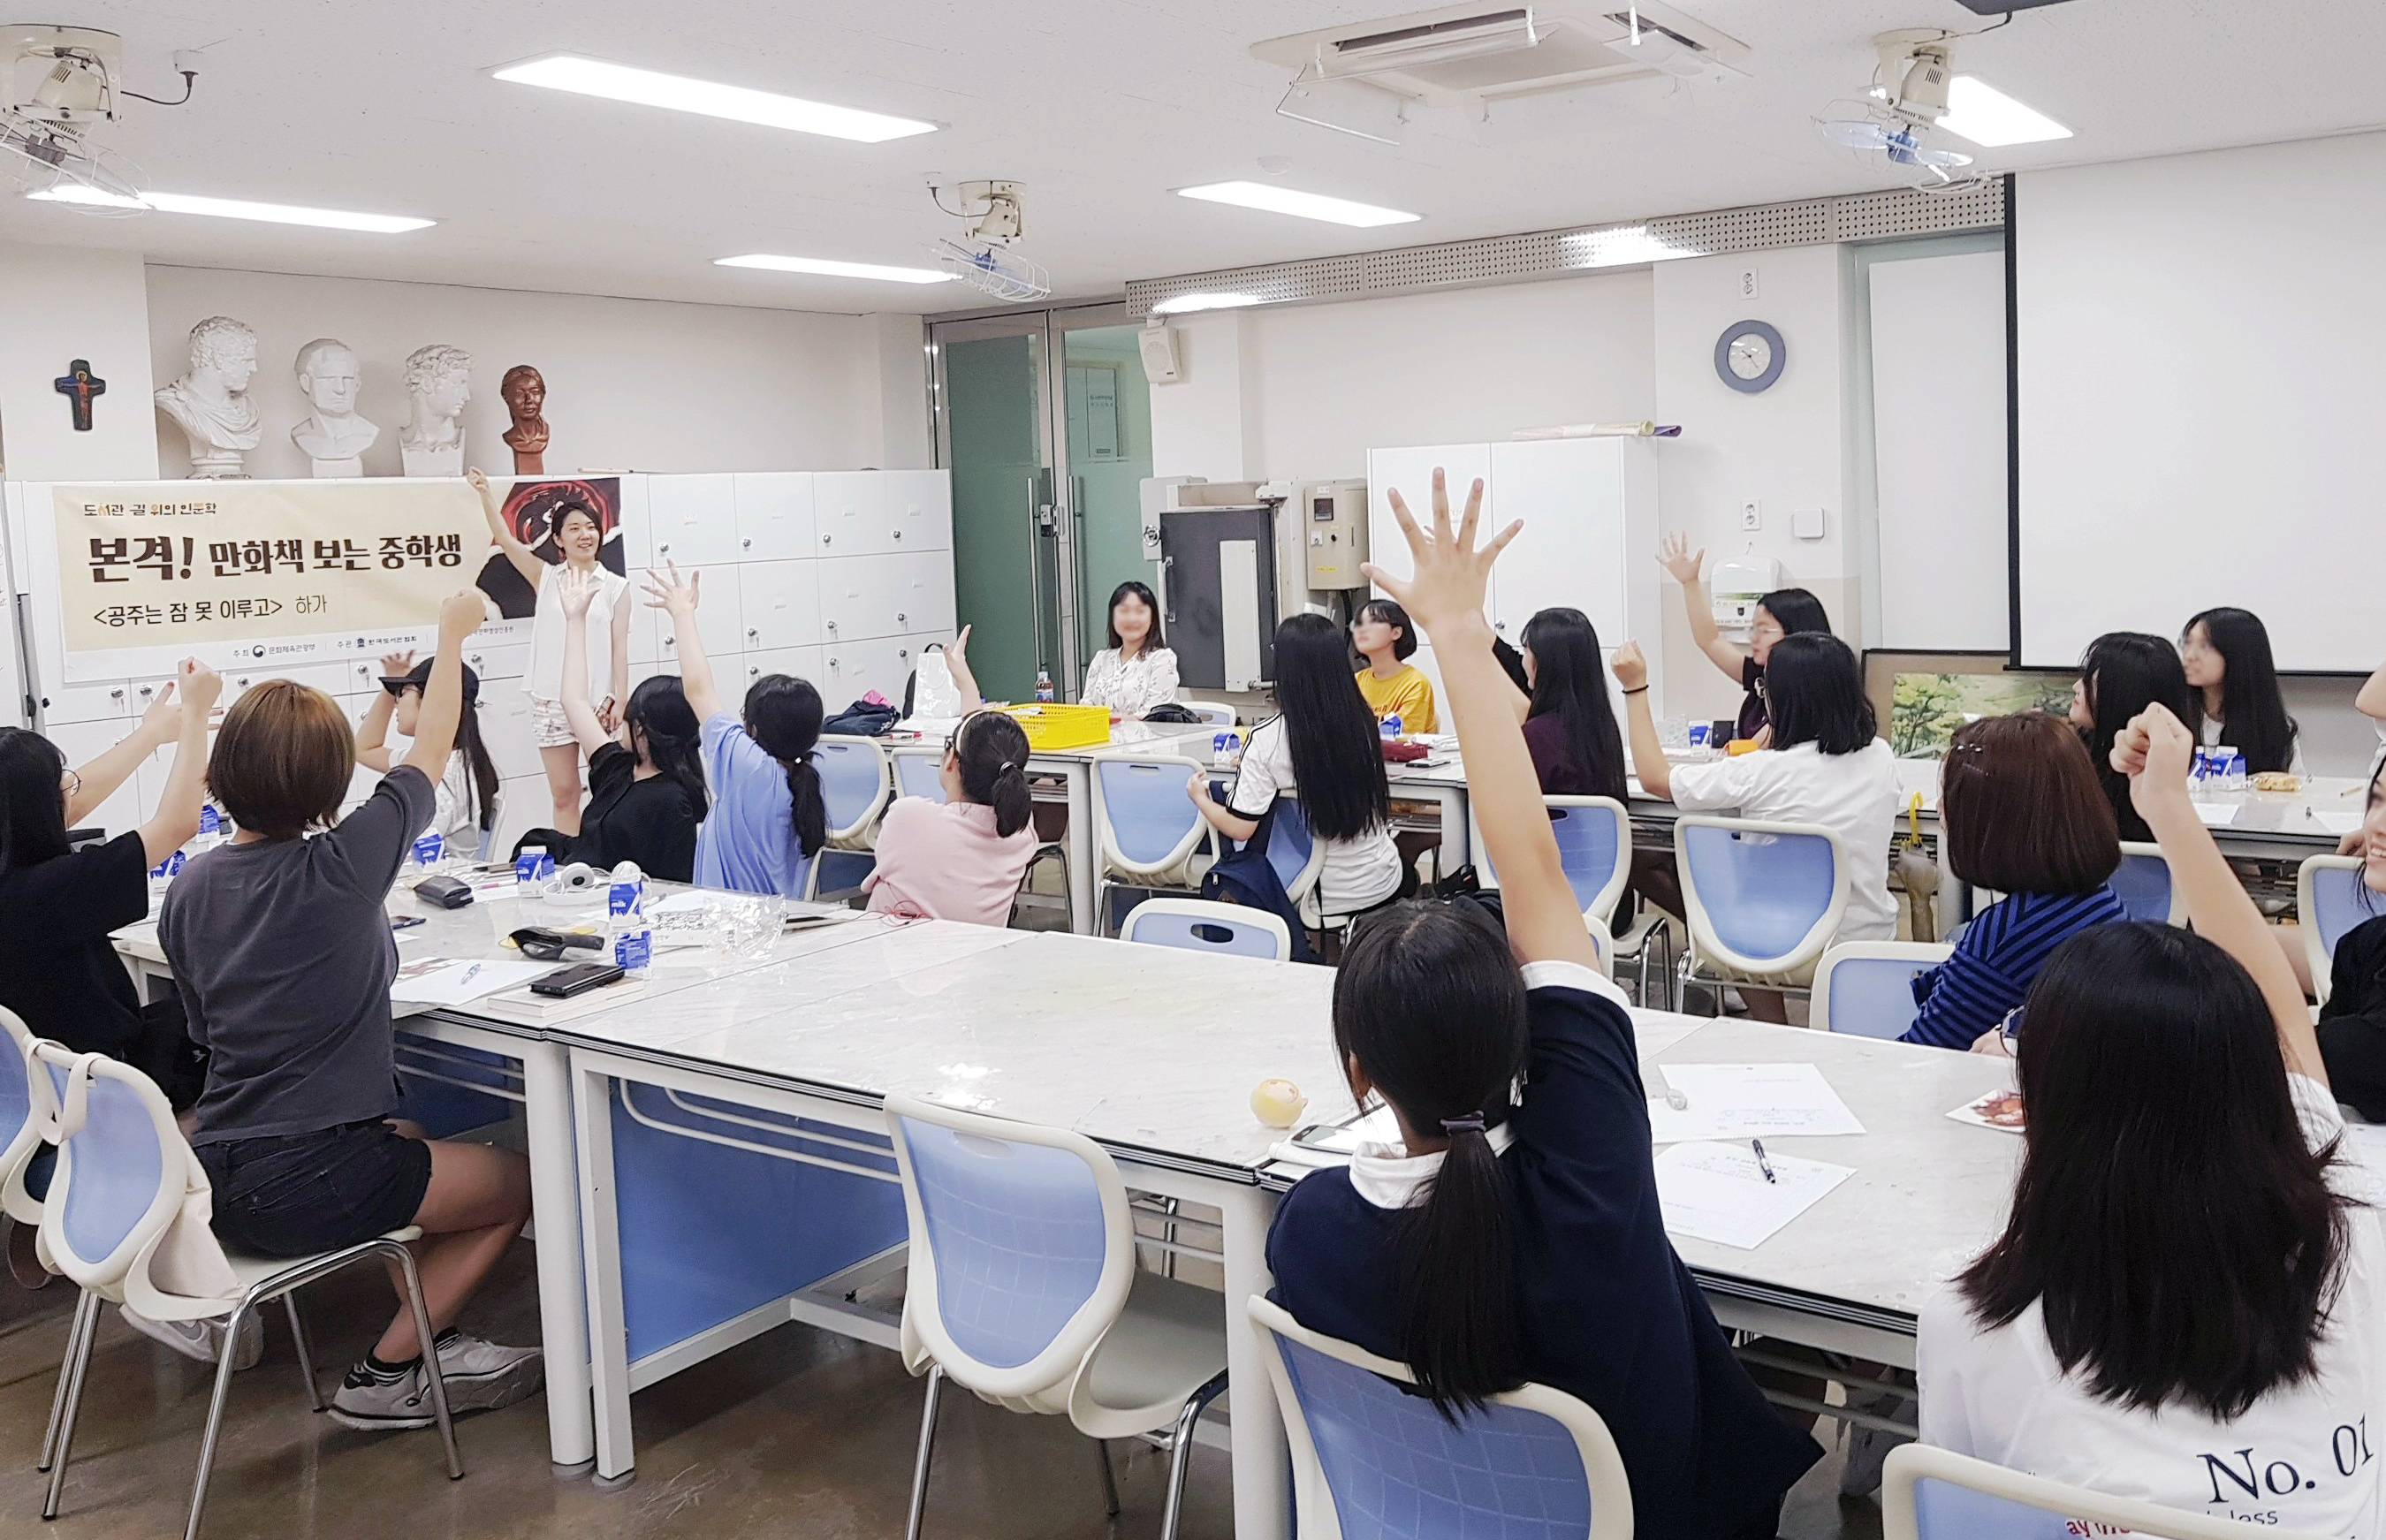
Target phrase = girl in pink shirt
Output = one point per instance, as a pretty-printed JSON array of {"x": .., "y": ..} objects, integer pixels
[{"x": 962, "y": 858}]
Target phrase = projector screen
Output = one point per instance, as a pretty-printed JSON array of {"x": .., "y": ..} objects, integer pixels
[{"x": 2200, "y": 343}]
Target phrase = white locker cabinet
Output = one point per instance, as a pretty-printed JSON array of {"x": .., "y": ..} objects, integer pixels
[
  {"x": 918, "y": 510},
  {"x": 851, "y": 670},
  {"x": 924, "y": 591},
  {"x": 797, "y": 662},
  {"x": 718, "y": 616},
  {"x": 84, "y": 742},
  {"x": 1570, "y": 494},
  {"x": 779, "y": 601},
  {"x": 638, "y": 533},
  {"x": 510, "y": 661},
  {"x": 853, "y": 513},
  {"x": 505, "y": 727},
  {"x": 693, "y": 519},
  {"x": 646, "y": 627},
  {"x": 858, "y": 598},
  {"x": 87, "y": 703},
  {"x": 331, "y": 678},
  {"x": 774, "y": 515}
]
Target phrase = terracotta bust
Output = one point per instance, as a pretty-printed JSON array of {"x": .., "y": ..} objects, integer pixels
[{"x": 524, "y": 391}]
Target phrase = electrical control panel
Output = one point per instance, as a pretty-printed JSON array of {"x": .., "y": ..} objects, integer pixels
[{"x": 1333, "y": 533}]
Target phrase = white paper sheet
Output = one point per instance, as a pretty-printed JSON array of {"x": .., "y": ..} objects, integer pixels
[
  {"x": 2339, "y": 824},
  {"x": 1718, "y": 1192},
  {"x": 445, "y": 982},
  {"x": 1660, "y": 1034},
  {"x": 1749, "y": 1101},
  {"x": 2216, "y": 815}
]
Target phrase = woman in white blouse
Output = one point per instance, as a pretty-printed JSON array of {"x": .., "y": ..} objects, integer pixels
[{"x": 1137, "y": 671}]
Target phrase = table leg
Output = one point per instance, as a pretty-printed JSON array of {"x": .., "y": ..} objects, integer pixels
[
  {"x": 563, "y": 1287},
  {"x": 1263, "y": 1459},
  {"x": 600, "y": 1239},
  {"x": 1457, "y": 843},
  {"x": 1081, "y": 849}
]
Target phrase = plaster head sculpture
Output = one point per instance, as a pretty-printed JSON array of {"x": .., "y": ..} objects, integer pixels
[
  {"x": 438, "y": 382},
  {"x": 209, "y": 401},
  {"x": 333, "y": 436},
  {"x": 524, "y": 391}
]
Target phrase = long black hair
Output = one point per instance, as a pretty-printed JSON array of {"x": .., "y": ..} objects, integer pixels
[
  {"x": 1570, "y": 682},
  {"x": 1153, "y": 640},
  {"x": 1337, "y": 754},
  {"x": 1797, "y": 610},
  {"x": 2171, "y": 1220},
  {"x": 1814, "y": 692},
  {"x": 32, "y": 800},
  {"x": 664, "y": 729},
  {"x": 1429, "y": 1007},
  {"x": 991, "y": 749},
  {"x": 1404, "y": 646},
  {"x": 480, "y": 770},
  {"x": 783, "y": 714},
  {"x": 2124, "y": 672},
  {"x": 2252, "y": 712}
]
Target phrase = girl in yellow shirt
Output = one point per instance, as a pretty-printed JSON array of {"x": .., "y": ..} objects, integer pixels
[{"x": 1392, "y": 685}]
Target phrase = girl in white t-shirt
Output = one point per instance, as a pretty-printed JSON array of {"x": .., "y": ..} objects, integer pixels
[
  {"x": 1822, "y": 764},
  {"x": 579, "y": 533},
  {"x": 465, "y": 797},
  {"x": 1326, "y": 750},
  {"x": 2187, "y": 1304}
]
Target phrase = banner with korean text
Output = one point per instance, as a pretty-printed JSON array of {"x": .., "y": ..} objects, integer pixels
[{"x": 270, "y": 570}]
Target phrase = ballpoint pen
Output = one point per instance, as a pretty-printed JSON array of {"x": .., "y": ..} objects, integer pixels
[
  {"x": 471, "y": 972},
  {"x": 1763, "y": 1164}
]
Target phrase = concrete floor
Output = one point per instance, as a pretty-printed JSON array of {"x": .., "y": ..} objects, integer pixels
[{"x": 800, "y": 1434}]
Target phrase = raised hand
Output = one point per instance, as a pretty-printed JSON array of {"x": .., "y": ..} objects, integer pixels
[
  {"x": 1450, "y": 571},
  {"x": 200, "y": 685},
  {"x": 1631, "y": 669},
  {"x": 677, "y": 597},
  {"x": 1674, "y": 554},
  {"x": 460, "y": 615},
  {"x": 163, "y": 721},
  {"x": 577, "y": 591},
  {"x": 2155, "y": 751},
  {"x": 478, "y": 482},
  {"x": 397, "y": 664}
]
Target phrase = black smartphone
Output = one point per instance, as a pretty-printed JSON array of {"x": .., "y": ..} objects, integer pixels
[{"x": 578, "y": 979}]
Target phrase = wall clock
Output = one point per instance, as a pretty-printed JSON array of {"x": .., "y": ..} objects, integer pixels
[{"x": 1749, "y": 355}]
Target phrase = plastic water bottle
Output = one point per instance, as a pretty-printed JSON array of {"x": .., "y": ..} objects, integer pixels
[
  {"x": 633, "y": 936},
  {"x": 1045, "y": 694},
  {"x": 1390, "y": 728},
  {"x": 428, "y": 848},
  {"x": 1224, "y": 746},
  {"x": 532, "y": 867},
  {"x": 2235, "y": 778},
  {"x": 211, "y": 829},
  {"x": 1698, "y": 737}
]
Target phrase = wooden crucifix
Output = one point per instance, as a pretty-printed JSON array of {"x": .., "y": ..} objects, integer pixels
[{"x": 79, "y": 385}]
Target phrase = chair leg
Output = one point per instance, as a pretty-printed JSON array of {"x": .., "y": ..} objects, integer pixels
[
  {"x": 306, "y": 1354},
  {"x": 214, "y": 1416},
  {"x": 928, "y": 1442},
  {"x": 422, "y": 1336},
  {"x": 71, "y": 1373},
  {"x": 1180, "y": 1454},
  {"x": 1109, "y": 1478},
  {"x": 86, "y": 1321}
]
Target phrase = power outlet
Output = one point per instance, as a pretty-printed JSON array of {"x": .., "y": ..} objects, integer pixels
[
  {"x": 1748, "y": 282},
  {"x": 1751, "y": 515}
]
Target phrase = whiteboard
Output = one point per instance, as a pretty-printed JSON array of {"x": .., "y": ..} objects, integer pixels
[
  {"x": 2201, "y": 344},
  {"x": 1940, "y": 443}
]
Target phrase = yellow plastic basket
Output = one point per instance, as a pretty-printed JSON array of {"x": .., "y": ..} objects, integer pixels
[{"x": 1052, "y": 728}]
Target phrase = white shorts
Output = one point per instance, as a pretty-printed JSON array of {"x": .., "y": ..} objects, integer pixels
[{"x": 548, "y": 726}]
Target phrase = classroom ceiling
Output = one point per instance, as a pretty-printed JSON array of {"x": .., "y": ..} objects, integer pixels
[{"x": 1100, "y": 107}]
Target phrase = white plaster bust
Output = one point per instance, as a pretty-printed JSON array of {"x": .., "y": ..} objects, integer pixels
[
  {"x": 211, "y": 401},
  {"x": 438, "y": 382},
  {"x": 333, "y": 436}
]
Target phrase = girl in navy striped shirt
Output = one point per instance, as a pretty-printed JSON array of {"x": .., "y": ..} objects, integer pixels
[{"x": 2022, "y": 813}]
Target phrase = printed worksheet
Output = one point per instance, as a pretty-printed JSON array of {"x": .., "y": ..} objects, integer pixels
[
  {"x": 1749, "y": 1101},
  {"x": 1720, "y": 1192}
]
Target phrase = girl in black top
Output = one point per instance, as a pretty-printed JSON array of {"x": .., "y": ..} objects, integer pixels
[
  {"x": 1783, "y": 612},
  {"x": 58, "y": 972},
  {"x": 2353, "y": 1024},
  {"x": 646, "y": 781},
  {"x": 2226, "y": 654},
  {"x": 2121, "y": 674}
]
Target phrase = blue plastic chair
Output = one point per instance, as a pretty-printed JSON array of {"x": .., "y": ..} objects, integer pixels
[
  {"x": 25, "y": 1117},
  {"x": 1198, "y": 925},
  {"x": 853, "y": 786},
  {"x": 1295, "y": 853},
  {"x": 2330, "y": 901},
  {"x": 1866, "y": 987},
  {"x": 918, "y": 772},
  {"x": 1372, "y": 1462},
  {"x": 123, "y": 1171},
  {"x": 1150, "y": 832},
  {"x": 1764, "y": 898},
  {"x": 2143, "y": 886},
  {"x": 1594, "y": 836},
  {"x": 1022, "y": 1287},
  {"x": 1930, "y": 1494}
]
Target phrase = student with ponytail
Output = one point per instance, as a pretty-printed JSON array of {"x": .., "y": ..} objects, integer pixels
[
  {"x": 962, "y": 858},
  {"x": 1514, "y": 1233},
  {"x": 769, "y": 820}
]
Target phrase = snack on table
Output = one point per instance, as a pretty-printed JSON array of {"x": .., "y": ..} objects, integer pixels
[{"x": 2278, "y": 780}]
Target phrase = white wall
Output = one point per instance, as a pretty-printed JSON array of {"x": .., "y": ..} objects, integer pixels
[
  {"x": 58, "y": 304},
  {"x": 632, "y": 384}
]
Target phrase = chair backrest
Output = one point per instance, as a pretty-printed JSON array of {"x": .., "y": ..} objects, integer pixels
[
  {"x": 1198, "y": 925},
  {"x": 1293, "y": 850},
  {"x": 1931, "y": 1494},
  {"x": 1022, "y": 1247},
  {"x": 28, "y": 1112},
  {"x": 121, "y": 1167},
  {"x": 853, "y": 782},
  {"x": 1372, "y": 1462},
  {"x": 1764, "y": 898},
  {"x": 1148, "y": 826},
  {"x": 1866, "y": 987},
  {"x": 918, "y": 772},
  {"x": 2143, "y": 886},
  {"x": 2330, "y": 900},
  {"x": 1217, "y": 713},
  {"x": 1594, "y": 837}
]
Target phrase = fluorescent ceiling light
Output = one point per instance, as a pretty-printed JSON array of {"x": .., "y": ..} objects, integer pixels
[
  {"x": 1185, "y": 305},
  {"x": 828, "y": 269},
  {"x": 1979, "y": 112},
  {"x": 1619, "y": 245},
  {"x": 1433, "y": 43},
  {"x": 1306, "y": 206},
  {"x": 620, "y": 83},
  {"x": 235, "y": 208}
]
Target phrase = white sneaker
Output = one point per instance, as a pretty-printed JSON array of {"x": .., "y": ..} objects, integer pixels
[
  {"x": 202, "y": 1340},
  {"x": 479, "y": 1376},
  {"x": 371, "y": 1399}
]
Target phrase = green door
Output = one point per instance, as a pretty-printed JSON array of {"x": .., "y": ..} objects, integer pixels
[
  {"x": 995, "y": 447},
  {"x": 1109, "y": 456}
]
